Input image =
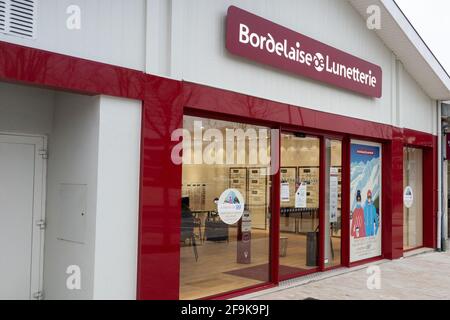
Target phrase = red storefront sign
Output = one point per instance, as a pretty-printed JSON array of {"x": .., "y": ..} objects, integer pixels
[{"x": 256, "y": 38}]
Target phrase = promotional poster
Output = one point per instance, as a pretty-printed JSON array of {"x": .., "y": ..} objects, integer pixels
[{"x": 365, "y": 201}]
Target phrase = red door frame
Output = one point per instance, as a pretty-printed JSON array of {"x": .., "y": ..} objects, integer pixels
[
  {"x": 160, "y": 190},
  {"x": 322, "y": 202},
  {"x": 344, "y": 233},
  {"x": 275, "y": 217},
  {"x": 345, "y": 203},
  {"x": 415, "y": 139}
]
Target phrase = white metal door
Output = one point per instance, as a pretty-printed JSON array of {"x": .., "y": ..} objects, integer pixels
[{"x": 22, "y": 187}]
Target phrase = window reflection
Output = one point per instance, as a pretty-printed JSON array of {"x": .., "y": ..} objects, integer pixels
[
  {"x": 299, "y": 214},
  {"x": 217, "y": 256}
]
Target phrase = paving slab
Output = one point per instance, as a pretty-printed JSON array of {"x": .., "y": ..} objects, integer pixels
[{"x": 423, "y": 275}]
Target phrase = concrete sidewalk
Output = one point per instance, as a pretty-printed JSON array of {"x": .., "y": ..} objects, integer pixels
[{"x": 423, "y": 274}]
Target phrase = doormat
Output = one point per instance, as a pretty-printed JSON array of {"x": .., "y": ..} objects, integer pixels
[{"x": 261, "y": 272}]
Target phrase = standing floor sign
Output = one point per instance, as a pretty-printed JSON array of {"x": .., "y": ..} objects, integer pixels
[
  {"x": 244, "y": 239},
  {"x": 365, "y": 201}
]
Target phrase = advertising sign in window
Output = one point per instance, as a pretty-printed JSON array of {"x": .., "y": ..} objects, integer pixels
[
  {"x": 365, "y": 201},
  {"x": 230, "y": 206}
]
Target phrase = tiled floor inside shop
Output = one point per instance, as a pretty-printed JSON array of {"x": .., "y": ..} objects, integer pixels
[{"x": 216, "y": 270}]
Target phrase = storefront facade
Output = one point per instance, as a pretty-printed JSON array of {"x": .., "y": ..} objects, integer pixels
[{"x": 348, "y": 171}]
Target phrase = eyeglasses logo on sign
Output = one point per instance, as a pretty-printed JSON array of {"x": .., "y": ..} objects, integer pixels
[
  {"x": 258, "y": 39},
  {"x": 319, "y": 62}
]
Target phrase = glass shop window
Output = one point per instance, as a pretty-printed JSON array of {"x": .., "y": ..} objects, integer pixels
[{"x": 225, "y": 207}]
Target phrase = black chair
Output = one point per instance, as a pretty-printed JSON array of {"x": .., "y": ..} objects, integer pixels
[
  {"x": 187, "y": 227},
  {"x": 215, "y": 229}
]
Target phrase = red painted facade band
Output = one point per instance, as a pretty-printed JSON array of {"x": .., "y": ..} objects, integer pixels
[
  {"x": 164, "y": 103},
  {"x": 44, "y": 68},
  {"x": 345, "y": 204},
  {"x": 261, "y": 40}
]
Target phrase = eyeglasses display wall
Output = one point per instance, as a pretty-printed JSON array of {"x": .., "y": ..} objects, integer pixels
[
  {"x": 252, "y": 183},
  {"x": 292, "y": 177},
  {"x": 288, "y": 176},
  {"x": 197, "y": 195},
  {"x": 339, "y": 170},
  {"x": 238, "y": 180},
  {"x": 257, "y": 197},
  {"x": 310, "y": 177}
]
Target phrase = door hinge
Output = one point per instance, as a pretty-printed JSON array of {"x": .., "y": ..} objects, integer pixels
[
  {"x": 41, "y": 224},
  {"x": 38, "y": 295},
  {"x": 43, "y": 153}
]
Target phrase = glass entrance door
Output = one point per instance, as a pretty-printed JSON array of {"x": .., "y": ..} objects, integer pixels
[
  {"x": 412, "y": 198},
  {"x": 333, "y": 179},
  {"x": 299, "y": 204}
]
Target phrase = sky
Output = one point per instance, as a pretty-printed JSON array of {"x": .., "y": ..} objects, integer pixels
[{"x": 431, "y": 20}]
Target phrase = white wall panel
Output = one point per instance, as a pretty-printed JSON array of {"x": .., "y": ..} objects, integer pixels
[
  {"x": 118, "y": 199},
  {"x": 416, "y": 108},
  {"x": 199, "y": 54},
  {"x": 73, "y": 154},
  {"x": 26, "y": 109},
  {"x": 112, "y": 31}
]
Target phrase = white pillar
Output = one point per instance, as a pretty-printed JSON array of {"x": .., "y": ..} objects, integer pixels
[{"x": 116, "y": 236}]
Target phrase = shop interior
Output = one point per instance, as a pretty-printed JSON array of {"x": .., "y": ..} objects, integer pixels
[
  {"x": 215, "y": 257},
  {"x": 299, "y": 222}
]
